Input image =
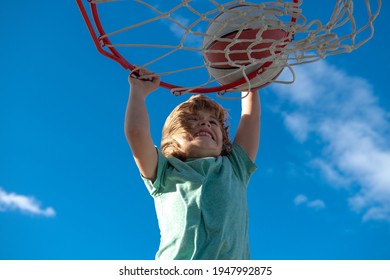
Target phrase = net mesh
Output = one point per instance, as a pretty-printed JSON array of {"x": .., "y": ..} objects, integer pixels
[{"x": 169, "y": 37}]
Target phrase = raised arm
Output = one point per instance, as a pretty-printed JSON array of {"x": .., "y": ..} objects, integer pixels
[
  {"x": 248, "y": 132},
  {"x": 137, "y": 125}
]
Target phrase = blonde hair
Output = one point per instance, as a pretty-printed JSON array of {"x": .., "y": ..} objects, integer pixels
[{"x": 176, "y": 123}]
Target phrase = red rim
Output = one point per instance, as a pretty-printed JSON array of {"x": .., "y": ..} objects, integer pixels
[{"x": 116, "y": 56}]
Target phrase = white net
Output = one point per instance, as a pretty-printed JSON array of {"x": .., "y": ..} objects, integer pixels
[{"x": 201, "y": 44}]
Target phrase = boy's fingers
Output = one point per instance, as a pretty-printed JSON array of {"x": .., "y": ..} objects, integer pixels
[
  {"x": 134, "y": 73},
  {"x": 143, "y": 74}
]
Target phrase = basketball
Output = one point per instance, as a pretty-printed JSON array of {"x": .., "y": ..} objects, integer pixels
[{"x": 233, "y": 46}]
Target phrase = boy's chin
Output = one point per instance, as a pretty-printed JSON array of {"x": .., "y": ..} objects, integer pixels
[{"x": 201, "y": 152}]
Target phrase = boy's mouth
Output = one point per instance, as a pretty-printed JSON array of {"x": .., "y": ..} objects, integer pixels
[{"x": 204, "y": 133}]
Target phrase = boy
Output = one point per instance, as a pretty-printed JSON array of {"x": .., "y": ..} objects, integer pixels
[{"x": 198, "y": 179}]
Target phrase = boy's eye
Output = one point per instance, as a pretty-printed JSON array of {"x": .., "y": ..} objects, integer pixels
[{"x": 192, "y": 118}]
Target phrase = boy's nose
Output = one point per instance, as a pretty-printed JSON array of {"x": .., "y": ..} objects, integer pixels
[{"x": 204, "y": 122}]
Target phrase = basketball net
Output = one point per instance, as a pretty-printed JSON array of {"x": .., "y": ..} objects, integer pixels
[{"x": 166, "y": 36}]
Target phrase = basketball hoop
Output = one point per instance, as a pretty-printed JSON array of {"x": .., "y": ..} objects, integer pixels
[{"x": 189, "y": 40}]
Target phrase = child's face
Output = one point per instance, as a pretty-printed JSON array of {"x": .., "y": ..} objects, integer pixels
[{"x": 203, "y": 137}]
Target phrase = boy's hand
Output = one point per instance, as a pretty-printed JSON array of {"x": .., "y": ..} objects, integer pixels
[{"x": 143, "y": 82}]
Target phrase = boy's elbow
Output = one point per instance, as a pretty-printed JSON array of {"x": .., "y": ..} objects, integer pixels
[{"x": 132, "y": 133}]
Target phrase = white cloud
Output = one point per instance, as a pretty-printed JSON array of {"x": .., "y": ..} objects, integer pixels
[
  {"x": 180, "y": 25},
  {"x": 316, "y": 204},
  {"x": 298, "y": 125},
  {"x": 341, "y": 112},
  {"x": 300, "y": 199},
  {"x": 303, "y": 200},
  {"x": 25, "y": 204},
  {"x": 330, "y": 172}
]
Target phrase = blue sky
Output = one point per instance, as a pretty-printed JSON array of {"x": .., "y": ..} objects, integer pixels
[{"x": 69, "y": 188}]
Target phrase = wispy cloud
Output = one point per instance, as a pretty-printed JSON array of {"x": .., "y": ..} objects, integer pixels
[
  {"x": 303, "y": 200},
  {"x": 341, "y": 113},
  {"x": 300, "y": 199},
  {"x": 180, "y": 26},
  {"x": 25, "y": 204}
]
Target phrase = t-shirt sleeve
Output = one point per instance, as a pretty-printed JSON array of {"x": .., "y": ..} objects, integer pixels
[
  {"x": 243, "y": 166},
  {"x": 154, "y": 187}
]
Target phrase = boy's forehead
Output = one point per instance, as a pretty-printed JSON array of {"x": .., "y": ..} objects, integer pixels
[{"x": 206, "y": 112}]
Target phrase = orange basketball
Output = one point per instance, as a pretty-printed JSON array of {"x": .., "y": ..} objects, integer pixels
[{"x": 231, "y": 43}]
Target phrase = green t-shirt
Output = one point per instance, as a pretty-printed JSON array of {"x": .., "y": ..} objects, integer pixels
[{"x": 201, "y": 206}]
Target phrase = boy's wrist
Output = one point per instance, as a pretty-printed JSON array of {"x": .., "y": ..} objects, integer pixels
[{"x": 138, "y": 95}]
